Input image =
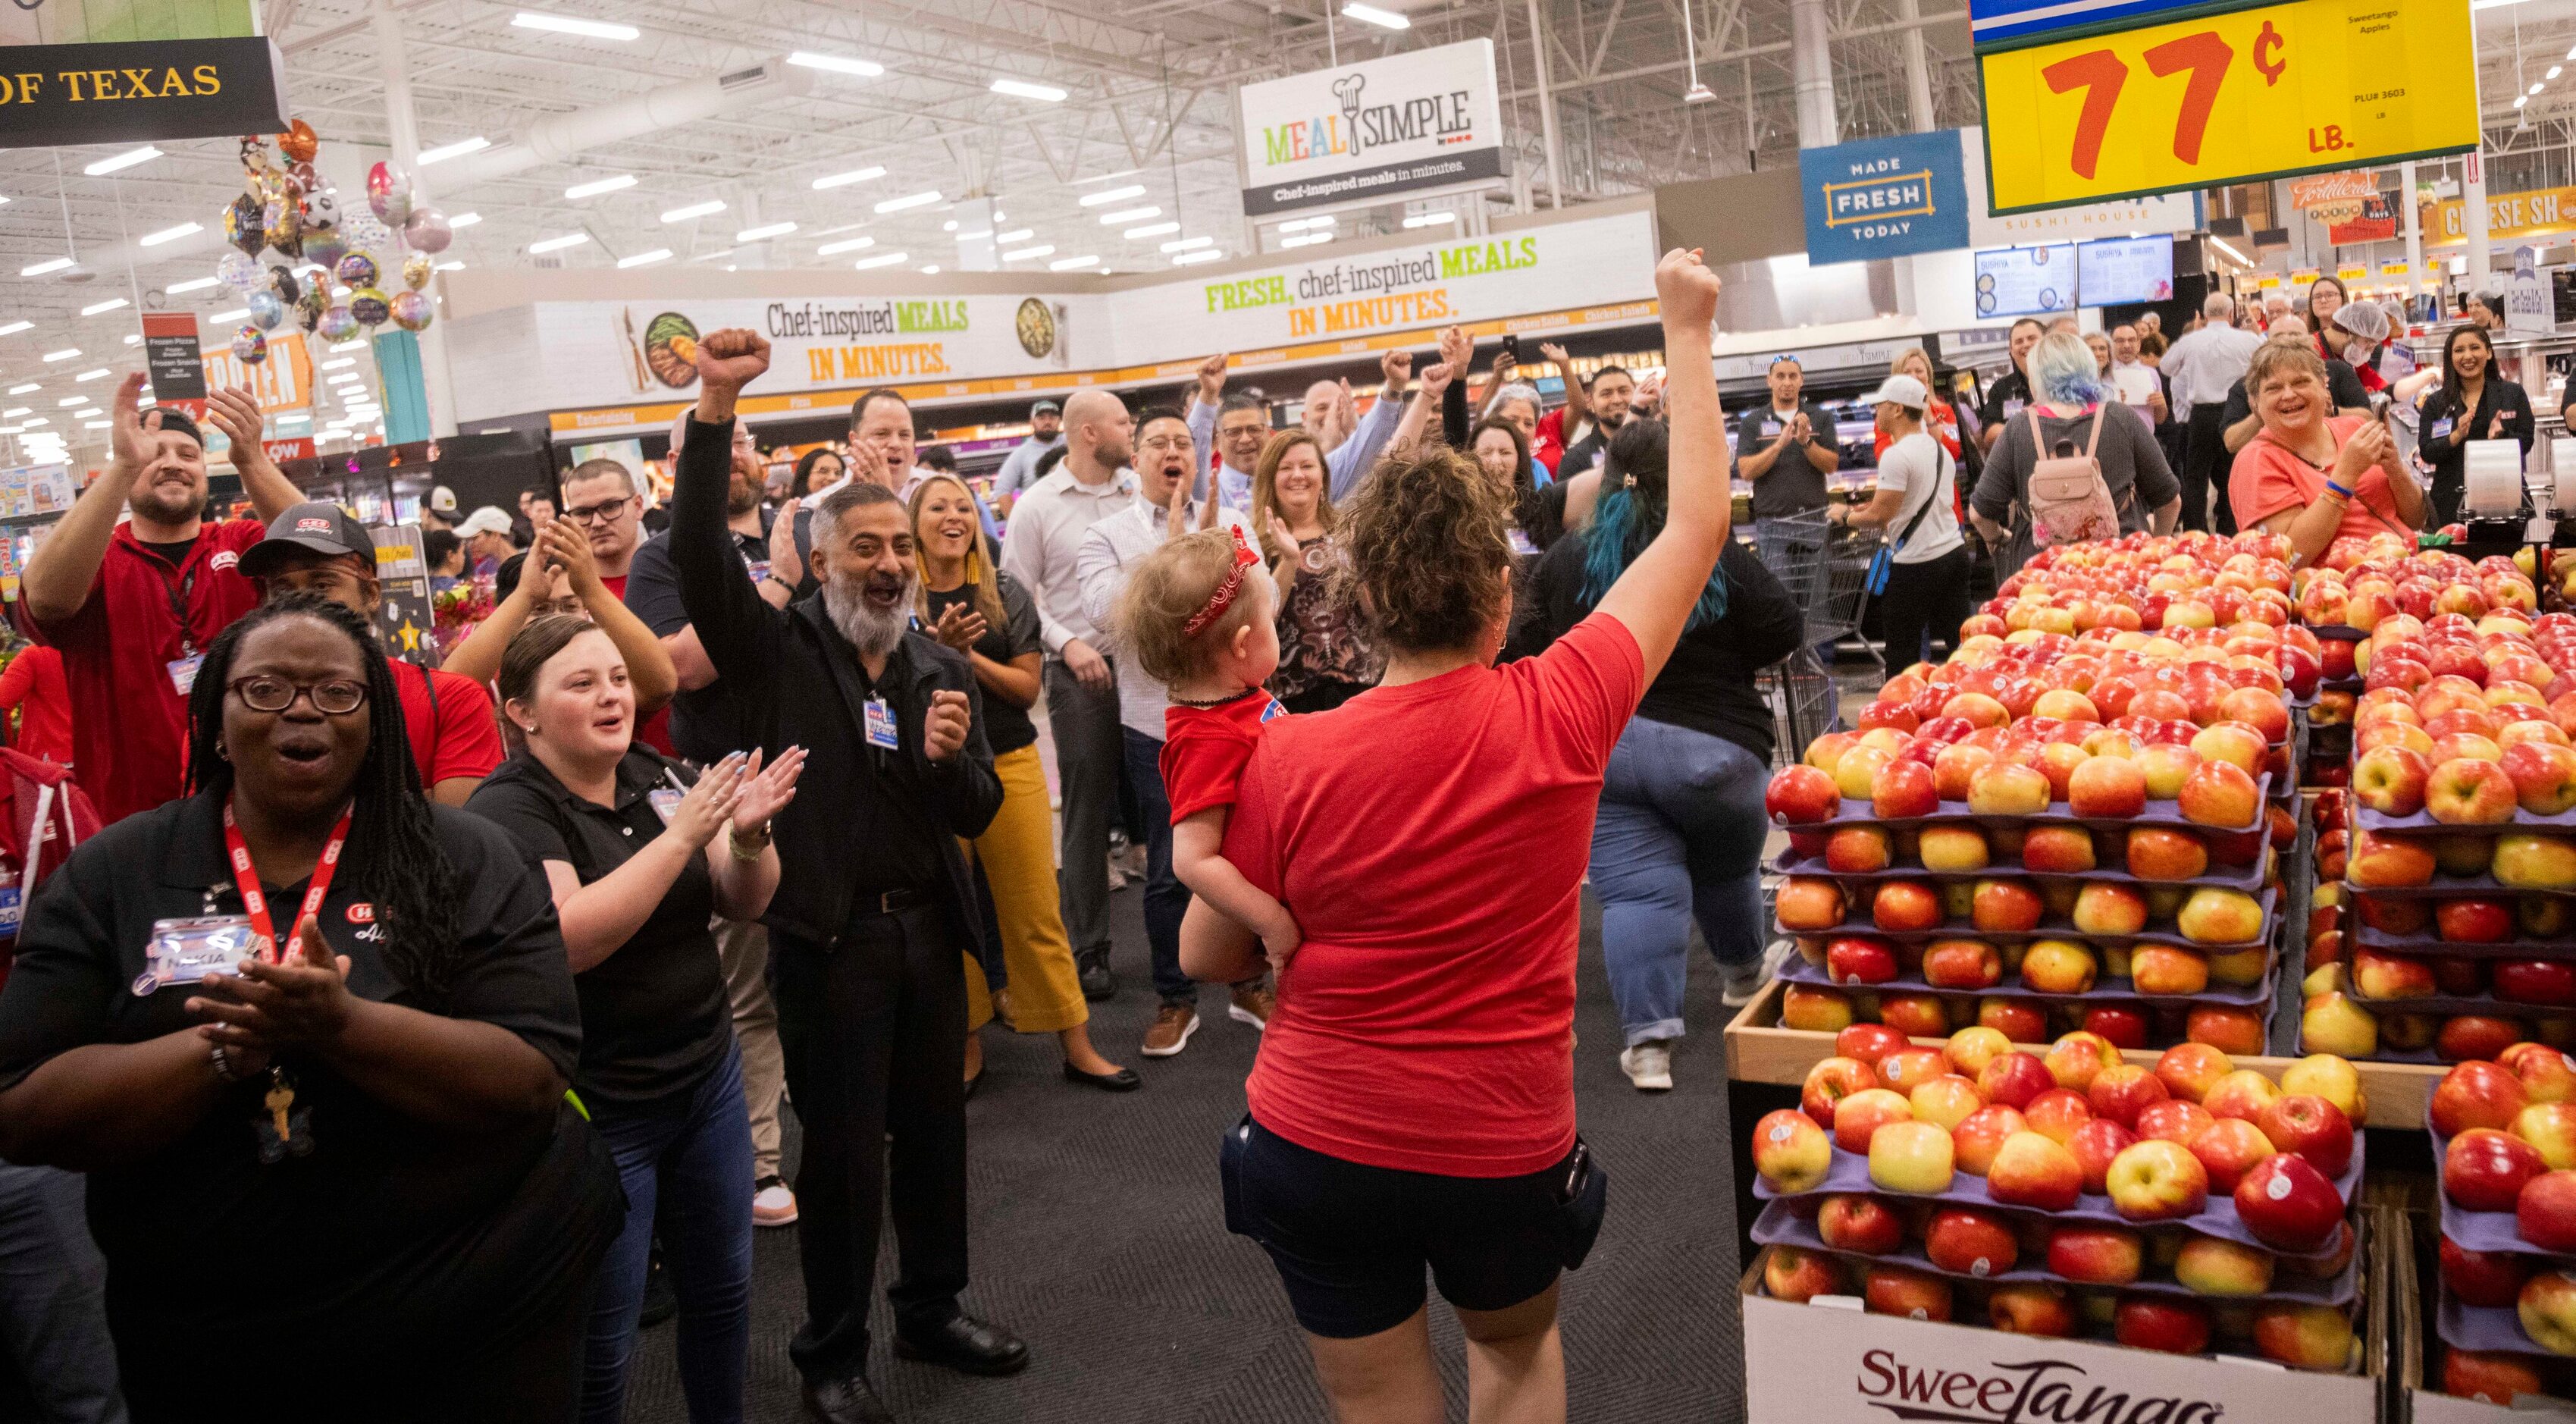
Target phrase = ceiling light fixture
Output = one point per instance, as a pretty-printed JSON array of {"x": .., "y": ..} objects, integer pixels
[
  {"x": 344, "y": 361},
  {"x": 1017, "y": 234},
  {"x": 1188, "y": 244},
  {"x": 835, "y": 64},
  {"x": 1023, "y": 89},
  {"x": 1207, "y": 254},
  {"x": 1430, "y": 219},
  {"x": 65, "y": 354},
  {"x": 764, "y": 232},
  {"x": 24, "y": 388},
  {"x": 848, "y": 244},
  {"x": 193, "y": 284},
  {"x": 446, "y": 151},
  {"x": 463, "y": 220},
  {"x": 1025, "y": 253},
  {"x": 100, "y": 308},
  {"x": 122, "y": 161},
  {"x": 882, "y": 259},
  {"x": 13, "y": 328},
  {"x": 1154, "y": 230},
  {"x": 50, "y": 264},
  {"x": 909, "y": 201},
  {"x": 711, "y": 256},
  {"x": 567, "y": 25},
  {"x": 1111, "y": 195},
  {"x": 219, "y": 318},
  {"x": 68, "y": 402},
  {"x": 558, "y": 244},
  {"x": 644, "y": 259},
  {"x": 1372, "y": 15},
  {"x": 930, "y": 271},
  {"x": 694, "y": 210},
  {"x": 842, "y": 180},
  {"x": 1070, "y": 263},
  {"x": 2521, "y": 99},
  {"x": 1128, "y": 215},
  {"x": 447, "y": 267},
  {"x": 91, "y": 375},
  {"x": 598, "y": 186},
  {"x": 168, "y": 234}
]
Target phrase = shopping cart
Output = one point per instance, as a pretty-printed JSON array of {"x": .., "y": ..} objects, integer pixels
[
  {"x": 1825, "y": 568},
  {"x": 1803, "y": 700}
]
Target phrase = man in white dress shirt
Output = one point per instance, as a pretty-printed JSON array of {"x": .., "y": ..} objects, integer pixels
[{"x": 2201, "y": 366}]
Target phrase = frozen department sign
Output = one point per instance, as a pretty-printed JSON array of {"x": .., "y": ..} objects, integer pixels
[
  {"x": 1425, "y": 121},
  {"x": 1884, "y": 197}
]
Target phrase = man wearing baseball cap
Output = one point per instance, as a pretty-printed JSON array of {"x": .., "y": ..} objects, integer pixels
[
  {"x": 439, "y": 510},
  {"x": 1019, "y": 468},
  {"x": 318, "y": 548},
  {"x": 486, "y": 533},
  {"x": 1917, "y": 504},
  {"x": 134, "y": 603}
]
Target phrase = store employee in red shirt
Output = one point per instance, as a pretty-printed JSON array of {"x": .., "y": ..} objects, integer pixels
[
  {"x": 134, "y": 605},
  {"x": 318, "y": 548}
]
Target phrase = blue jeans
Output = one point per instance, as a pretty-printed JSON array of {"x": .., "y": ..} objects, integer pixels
[
  {"x": 1679, "y": 836},
  {"x": 686, "y": 1167},
  {"x": 53, "y": 1286},
  {"x": 1166, "y": 898}
]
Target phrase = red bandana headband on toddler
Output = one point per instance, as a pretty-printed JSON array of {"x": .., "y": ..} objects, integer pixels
[{"x": 1226, "y": 589}]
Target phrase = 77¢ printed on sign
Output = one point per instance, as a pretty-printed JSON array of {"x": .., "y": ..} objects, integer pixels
[{"x": 2229, "y": 98}]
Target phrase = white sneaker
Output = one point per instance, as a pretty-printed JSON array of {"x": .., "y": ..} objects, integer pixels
[
  {"x": 1649, "y": 1066},
  {"x": 773, "y": 1205}
]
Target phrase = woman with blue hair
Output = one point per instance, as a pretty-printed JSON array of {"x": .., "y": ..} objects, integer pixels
[
  {"x": 2062, "y": 423},
  {"x": 1679, "y": 833}
]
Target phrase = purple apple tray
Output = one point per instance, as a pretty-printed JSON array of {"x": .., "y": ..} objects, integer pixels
[
  {"x": 2387, "y": 943},
  {"x": 2217, "y": 877},
  {"x": 2422, "y": 821},
  {"x": 2472, "y": 1230},
  {"x": 2051, "y": 929},
  {"x": 2456, "y": 887},
  {"x": 2478, "y": 1327},
  {"x": 2447, "y": 1004},
  {"x": 1856, "y": 811},
  {"x": 1781, "y": 1225},
  {"x": 1850, "y": 1173},
  {"x": 1798, "y": 971}
]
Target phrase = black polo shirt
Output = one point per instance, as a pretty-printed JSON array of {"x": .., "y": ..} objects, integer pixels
[
  {"x": 1006, "y": 728},
  {"x": 394, "y": 1231},
  {"x": 703, "y": 724},
  {"x": 654, "y": 1015},
  {"x": 2004, "y": 399}
]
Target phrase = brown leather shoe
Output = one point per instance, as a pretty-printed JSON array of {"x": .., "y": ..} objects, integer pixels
[
  {"x": 1253, "y": 1004},
  {"x": 1173, "y": 1025}
]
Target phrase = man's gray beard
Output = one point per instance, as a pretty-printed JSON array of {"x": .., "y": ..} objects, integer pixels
[{"x": 872, "y": 632}]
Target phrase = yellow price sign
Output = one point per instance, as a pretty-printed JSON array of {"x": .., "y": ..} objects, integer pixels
[{"x": 2316, "y": 86}]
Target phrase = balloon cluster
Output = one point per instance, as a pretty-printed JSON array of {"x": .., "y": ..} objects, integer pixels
[{"x": 293, "y": 241}]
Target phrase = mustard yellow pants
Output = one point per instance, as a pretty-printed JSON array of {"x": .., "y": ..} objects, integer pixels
[{"x": 1018, "y": 852}]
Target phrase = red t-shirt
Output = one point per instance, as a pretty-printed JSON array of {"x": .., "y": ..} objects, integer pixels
[
  {"x": 456, "y": 737},
  {"x": 129, "y": 720},
  {"x": 1204, "y": 749},
  {"x": 653, "y": 731},
  {"x": 1431, "y": 840},
  {"x": 1547, "y": 443},
  {"x": 33, "y": 684}
]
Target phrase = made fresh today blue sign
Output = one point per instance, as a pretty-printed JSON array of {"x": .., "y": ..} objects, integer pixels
[{"x": 1884, "y": 197}]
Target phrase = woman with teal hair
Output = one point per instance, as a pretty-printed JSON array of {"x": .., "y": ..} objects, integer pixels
[{"x": 1679, "y": 833}]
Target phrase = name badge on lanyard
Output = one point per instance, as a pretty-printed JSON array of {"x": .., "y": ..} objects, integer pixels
[
  {"x": 880, "y": 725},
  {"x": 183, "y": 672},
  {"x": 183, "y": 668},
  {"x": 2441, "y": 429}
]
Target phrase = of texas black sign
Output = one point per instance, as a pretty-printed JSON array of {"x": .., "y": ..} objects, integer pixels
[{"x": 65, "y": 95}]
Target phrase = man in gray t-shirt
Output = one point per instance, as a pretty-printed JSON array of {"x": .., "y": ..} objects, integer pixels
[{"x": 1786, "y": 448}]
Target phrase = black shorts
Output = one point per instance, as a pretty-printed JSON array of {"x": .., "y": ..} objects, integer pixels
[{"x": 1351, "y": 1241}]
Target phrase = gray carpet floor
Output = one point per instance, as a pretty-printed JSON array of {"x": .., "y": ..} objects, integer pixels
[{"x": 1097, "y": 1235}]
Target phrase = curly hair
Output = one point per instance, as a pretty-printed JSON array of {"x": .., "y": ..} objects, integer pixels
[
  {"x": 1169, "y": 587},
  {"x": 1427, "y": 548},
  {"x": 393, "y": 852}
]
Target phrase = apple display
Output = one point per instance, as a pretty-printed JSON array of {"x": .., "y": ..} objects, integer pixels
[
  {"x": 1812, "y": 1009},
  {"x": 1951, "y": 848},
  {"x": 1904, "y": 906},
  {"x": 2331, "y": 1022},
  {"x": 2469, "y": 791},
  {"x": 1860, "y": 960},
  {"x": 2152, "y": 1323},
  {"x": 2304, "y": 1336},
  {"x": 1909, "y": 1067},
  {"x": 1974, "y": 1142},
  {"x": 2550, "y": 982},
  {"x": 1915, "y": 1015},
  {"x": 2228, "y": 1148},
  {"x": 2155, "y": 853},
  {"x": 2487, "y": 1279},
  {"x": 2242, "y": 1093},
  {"x": 2215, "y": 1266},
  {"x": 2551, "y": 1130},
  {"x": 1801, "y": 796},
  {"x": 2231, "y": 1027},
  {"x": 1896, "y": 1290},
  {"x": 2107, "y": 788},
  {"x": 2162, "y": 969},
  {"x": 1903, "y": 789},
  {"x": 2058, "y": 966},
  {"x": 2525, "y": 861},
  {"x": 1858, "y": 770},
  {"x": 2187, "y": 1070},
  {"x": 2094, "y": 1146},
  {"x": 1945, "y": 1101},
  {"x": 1832, "y": 1081},
  {"x": 2547, "y": 1310},
  {"x": 2220, "y": 794},
  {"x": 2123, "y": 1090},
  {"x": 2476, "y": 1095},
  {"x": 2058, "y": 850},
  {"x": 1962, "y": 964},
  {"x": 2106, "y": 908},
  {"x": 2547, "y": 1075},
  {"x": 2077, "y": 1058},
  {"x": 1972, "y": 1048},
  {"x": 2031, "y": 1170},
  {"x": 2005, "y": 907},
  {"x": 1856, "y": 1221},
  {"x": 2543, "y": 772},
  {"x": 2033, "y": 1308},
  {"x": 2124, "y": 1025},
  {"x": 2333, "y": 1078},
  {"x": 1868, "y": 1043},
  {"x": 2545, "y": 1211},
  {"x": 2015, "y": 1080},
  {"x": 1859, "y": 1117},
  {"x": 2474, "y": 921},
  {"x": 2496, "y": 1377},
  {"x": 2005, "y": 789},
  {"x": 1791, "y": 1153},
  {"x": 1969, "y": 1242},
  {"x": 1797, "y": 1275},
  {"x": 2154, "y": 1180},
  {"x": 2310, "y": 1127},
  {"x": 2166, "y": 767},
  {"x": 2391, "y": 780}
]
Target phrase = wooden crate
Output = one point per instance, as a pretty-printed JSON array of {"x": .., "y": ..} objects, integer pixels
[{"x": 1758, "y": 1050}]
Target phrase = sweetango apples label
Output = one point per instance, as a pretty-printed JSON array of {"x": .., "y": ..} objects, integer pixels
[{"x": 1819, "y": 1365}]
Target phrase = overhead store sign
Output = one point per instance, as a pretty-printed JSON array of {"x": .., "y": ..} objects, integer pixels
[
  {"x": 1424, "y": 121},
  {"x": 2537, "y": 213},
  {"x": 76, "y": 74},
  {"x": 2120, "y": 217},
  {"x": 1884, "y": 197},
  {"x": 2267, "y": 92},
  {"x": 2323, "y": 189},
  {"x": 284, "y": 381}
]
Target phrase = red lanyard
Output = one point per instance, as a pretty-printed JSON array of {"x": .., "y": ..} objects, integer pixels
[{"x": 255, "y": 901}]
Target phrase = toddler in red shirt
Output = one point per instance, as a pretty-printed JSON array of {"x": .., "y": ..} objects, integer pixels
[{"x": 1199, "y": 616}]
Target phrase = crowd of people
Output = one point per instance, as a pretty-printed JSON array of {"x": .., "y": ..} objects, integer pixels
[{"x": 735, "y": 795}]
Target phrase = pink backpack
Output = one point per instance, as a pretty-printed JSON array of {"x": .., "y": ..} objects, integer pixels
[
  {"x": 2069, "y": 501},
  {"x": 43, "y": 814}
]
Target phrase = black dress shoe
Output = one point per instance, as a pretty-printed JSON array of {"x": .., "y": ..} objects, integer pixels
[
  {"x": 1094, "y": 977},
  {"x": 1122, "y": 1081},
  {"x": 846, "y": 1400},
  {"x": 966, "y": 1344}
]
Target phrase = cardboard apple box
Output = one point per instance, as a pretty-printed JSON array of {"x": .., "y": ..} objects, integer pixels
[
  {"x": 2412, "y": 1351},
  {"x": 1828, "y": 1362}
]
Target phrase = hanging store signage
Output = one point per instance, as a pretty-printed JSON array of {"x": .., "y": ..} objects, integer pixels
[
  {"x": 2539, "y": 212},
  {"x": 2260, "y": 93},
  {"x": 2088, "y": 222},
  {"x": 2373, "y": 220},
  {"x": 1423, "y": 121},
  {"x": 1884, "y": 197},
  {"x": 283, "y": 381},
  {"x": 2319, "y": 190},
  {"x": 171, "y": 355},
  {"x": 65, "y": 94}
]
